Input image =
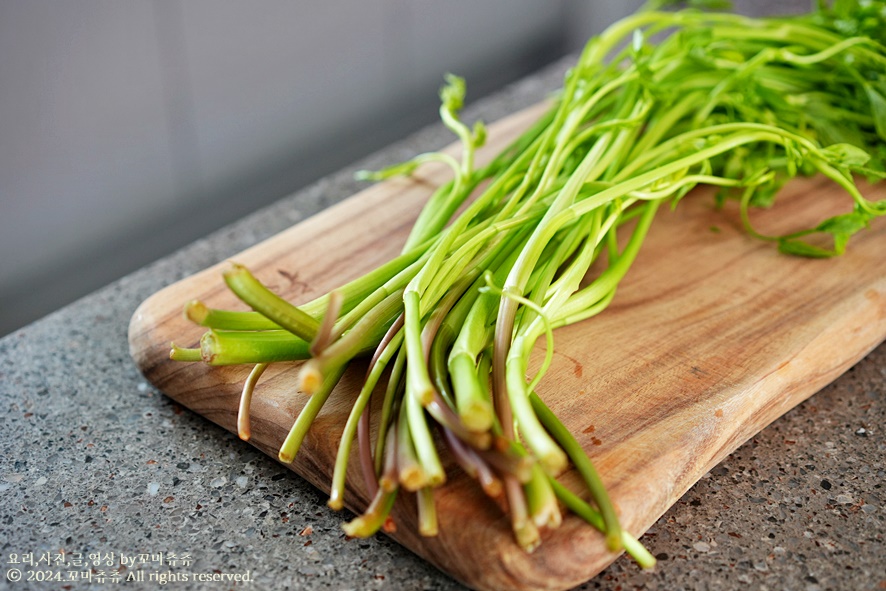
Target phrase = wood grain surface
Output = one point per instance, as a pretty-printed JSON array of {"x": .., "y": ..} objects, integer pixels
[{"x": 712, "y": 336}]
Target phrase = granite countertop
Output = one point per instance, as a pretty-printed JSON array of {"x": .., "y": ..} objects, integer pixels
[{"x": 100, "y": 465}]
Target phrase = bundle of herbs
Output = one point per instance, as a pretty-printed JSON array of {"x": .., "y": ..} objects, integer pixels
[{"x": 499, "y": 258}]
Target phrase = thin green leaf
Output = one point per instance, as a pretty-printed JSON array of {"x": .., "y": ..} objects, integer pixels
[
  {"x": 804, "y": 249},
  {"x": 878, "y": 109},
  {"x": 846, "y": 155},
  {"x": 848, "y": 223}
]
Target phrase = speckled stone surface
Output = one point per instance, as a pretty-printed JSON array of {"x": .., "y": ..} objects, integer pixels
[{"x": 96, "y": 461}]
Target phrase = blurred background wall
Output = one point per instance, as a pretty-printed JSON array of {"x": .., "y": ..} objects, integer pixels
[{"x": 129, "y": 129}]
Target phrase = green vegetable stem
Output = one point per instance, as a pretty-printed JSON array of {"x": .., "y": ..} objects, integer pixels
[{"x": 500, "y": 256}]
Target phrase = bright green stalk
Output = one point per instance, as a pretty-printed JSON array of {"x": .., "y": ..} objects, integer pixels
[
  {"x": 177, "y": 353},
  {"x": 392, "y": 391},
  {"x": 418, "y": 381},
  {"x": 547, "y": 293},
  {"x": 554, "y": 294},
  {"x": 605, "y": 284},
  {"x": 425, "y": 449},
  {"x": 525, "y": 531},
  {"x": 542, "y": 501},
  {"x": 269, "y": 304},
  {"x": 306, "y": 417},
  {"x": 337, "y": 488},
  {"x": 575, "y": 504},
  {"x": 544, "y": 448},
  {"x": 411, "y": 473},
  {"x": 225, "y": 347},
  {"x": 474, "y": 409},
  {"x": 583, "y": 464},
  {"x": 543, "y": 233},
  {"x": 393, "y": 285},
  {"x": 199, "y": 313},
  {"x": 474, "y": 335},
  {"x": 594, "y": 164}
]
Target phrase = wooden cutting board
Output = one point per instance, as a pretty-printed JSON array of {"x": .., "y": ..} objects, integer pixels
[{"x": 712, "y": 336}]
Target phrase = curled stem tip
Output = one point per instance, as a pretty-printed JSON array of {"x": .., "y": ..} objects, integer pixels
[{"x": 243, "y": 425}]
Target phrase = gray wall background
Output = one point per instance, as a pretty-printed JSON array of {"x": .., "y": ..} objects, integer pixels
[{"x": 128, "y": 129}]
